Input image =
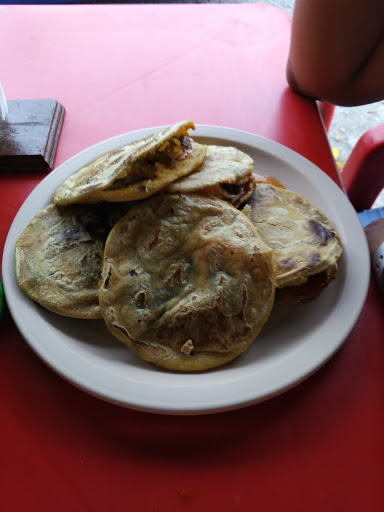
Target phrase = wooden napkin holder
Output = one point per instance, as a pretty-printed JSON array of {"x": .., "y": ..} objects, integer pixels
[{"x": 30, "y": 134}]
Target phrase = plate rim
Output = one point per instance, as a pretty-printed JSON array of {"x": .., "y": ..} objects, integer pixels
[{"x": 203, "y": 132}]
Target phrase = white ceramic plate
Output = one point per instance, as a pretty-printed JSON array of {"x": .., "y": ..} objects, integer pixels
[{"x": 295, "y": 342}]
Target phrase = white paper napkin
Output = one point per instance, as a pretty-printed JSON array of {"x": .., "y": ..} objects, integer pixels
[{"x": 3, "y": 105}]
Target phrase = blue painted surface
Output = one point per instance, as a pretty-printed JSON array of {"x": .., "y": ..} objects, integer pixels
[{"x": 368, "y": 216}]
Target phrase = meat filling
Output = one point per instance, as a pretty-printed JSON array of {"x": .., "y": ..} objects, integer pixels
[{"x": 145, "y": 168}]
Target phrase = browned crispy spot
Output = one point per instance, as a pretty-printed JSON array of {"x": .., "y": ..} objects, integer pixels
[
  {"x": 176, "y": 278},
  {"x": 97, "y": 167},
  {"x": 287, "y": 263},
  {"x": 322, "y": 233},
  {"x": 314, "y": 259},
  {"x": 141, "y": 299},
  {"x": 155, "y": 240}
]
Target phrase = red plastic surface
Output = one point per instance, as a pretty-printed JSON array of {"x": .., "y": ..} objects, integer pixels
[
  {"x": 318, "y": 447},
  {"x": 363, "y": 173}
]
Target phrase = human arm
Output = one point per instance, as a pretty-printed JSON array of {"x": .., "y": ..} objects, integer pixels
[
  {"x": 337, "y": 50},
  {"x": 375, "y": 237}
]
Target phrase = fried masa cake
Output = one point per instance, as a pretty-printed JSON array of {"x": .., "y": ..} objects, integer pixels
[
  {"x": 225, "y": 173},
  {"x": 135, "y": 171},
  {"x": 305, "y": 246},
  {"x": 59, "y": 257},
  {"x": 187, "y": 282}
]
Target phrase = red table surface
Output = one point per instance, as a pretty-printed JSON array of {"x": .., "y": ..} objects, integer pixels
[{"x": 318, "y": 447}]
